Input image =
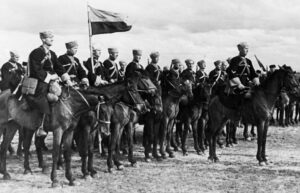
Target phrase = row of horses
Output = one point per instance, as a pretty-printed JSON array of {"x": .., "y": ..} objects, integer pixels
[{"x": 79, "y": 114}]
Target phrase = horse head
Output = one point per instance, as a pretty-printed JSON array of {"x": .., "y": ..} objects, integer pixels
[
  {"x": 289, "y": 83},
  {"x": 186, "y": 88},
  {"x": 144, "y": 84},
  {"x": 203, "y": 92}
]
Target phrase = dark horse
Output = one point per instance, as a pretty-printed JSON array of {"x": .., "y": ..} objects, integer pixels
[
  {"x": 176, "y": 91},
  {"x": 190, "y": 114},
  {"x": 256, "y": 110}
]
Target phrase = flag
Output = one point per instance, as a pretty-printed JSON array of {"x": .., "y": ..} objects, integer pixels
[
  {"x": 260, "y": 64},
  {"x": 102, "y": 22}
]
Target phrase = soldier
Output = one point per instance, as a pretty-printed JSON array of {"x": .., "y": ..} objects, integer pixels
[
  {"x": 217, "y": 75},
  {"x": 44, "y": 66},
  {"x": 272, "y": 69},
  {"x": 201, "y": 75},
  {"x": 71, "y": 64},
  {"x": 174, "y": 73},
  {"x": 111, "y": 65},
  {"x": 240, "y": 71},
  {"x": 154, "y": 70},
  {"x": 188, "y": 73},
  {"x": 121, "y": 75},
  {"x": 9, "y": 69},
  {"x": 97, "y": 73},
  {"x": 134, "y": 65}
]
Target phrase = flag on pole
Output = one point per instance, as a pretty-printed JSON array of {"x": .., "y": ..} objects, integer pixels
[
  {"x": 102, "y": 22},
  {"x": 260, "y": 64}
]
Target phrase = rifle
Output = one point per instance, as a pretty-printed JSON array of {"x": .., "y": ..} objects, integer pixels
[{"x": 260, "y": 64}]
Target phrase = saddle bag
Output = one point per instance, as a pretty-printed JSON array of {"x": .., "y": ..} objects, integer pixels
[{"x": 29, "y": 85}]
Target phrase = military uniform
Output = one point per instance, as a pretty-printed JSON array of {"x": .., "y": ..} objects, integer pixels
[
  {"x": 43, "y": 64},
  {"x": 97, "y": 75},
  {"x": 201, "y": 77},
  {"x": 121, "y": 75},
  {"x": 73, "y": 67},
  {"x": 216, "y": 76},
  {"x": 131, "y": 68},
  {"x": 112, "y": 69},
  {"x": 6, "y": 70},
  {"x": 188, "y": 74},
  {"x": 155, "y": 74},
  {"x": 242, "y": 68}
]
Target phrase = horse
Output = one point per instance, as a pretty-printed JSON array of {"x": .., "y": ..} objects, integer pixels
[
  {"x": 190, "y": 114},
  {"x": 256, "y": 110},
  {"x": 175, "y": 92}
]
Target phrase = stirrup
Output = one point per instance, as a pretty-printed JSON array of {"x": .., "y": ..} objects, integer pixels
[{"x": 41, "y": 132}]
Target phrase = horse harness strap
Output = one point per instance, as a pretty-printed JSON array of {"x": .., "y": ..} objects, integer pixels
[
  {"x": 98, "y": 113},
  {"x": 84, "y": 99}
]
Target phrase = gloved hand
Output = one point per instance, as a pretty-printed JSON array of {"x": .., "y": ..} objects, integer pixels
[
  {"x": 241, "y": 86},
  {"x": 85, "y": 82},
  {"x": 54, "y": 77},
  {"x": 69, "y": 83},
  {"x": 256, "y": 81}
]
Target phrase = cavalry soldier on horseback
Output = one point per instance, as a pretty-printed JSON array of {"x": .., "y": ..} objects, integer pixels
[
  {"x": 217, "y": 75},
  {"x": 154, "y": 70},
  {"x": 8, "y": 68},
  {"x": 72, "y": 65},
  {"x": 134, "y": 65},
  {"x": 97, "y": 73},
  {"x": 45, "y": 67},
  {"x": 111, "y": 65},
  {"x": 272, "y": 68},
  {"x": 240, "y": 71},
  {"x": 201, "y": 75},
  {"x": 121, "y": 75},
  {"x": 188, "y": 73}
]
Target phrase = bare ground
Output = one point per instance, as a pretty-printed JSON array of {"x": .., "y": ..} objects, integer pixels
[{"x": 237, "y": 171}]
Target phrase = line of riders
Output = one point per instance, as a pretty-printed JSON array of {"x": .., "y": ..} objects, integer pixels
[{"x": 179, "y": 94}]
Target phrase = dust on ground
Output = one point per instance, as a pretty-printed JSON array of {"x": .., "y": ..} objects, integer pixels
[{"x": 237, "y": 171}]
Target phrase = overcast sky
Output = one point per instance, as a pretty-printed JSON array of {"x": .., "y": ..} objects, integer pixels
[{"x": 196, "y": 29}]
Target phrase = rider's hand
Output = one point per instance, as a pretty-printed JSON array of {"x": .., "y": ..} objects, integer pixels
[
  {"x": 69, "y": 83},
  {"x": 256, "y": 81},
  {"x": 85, "y": 82}
]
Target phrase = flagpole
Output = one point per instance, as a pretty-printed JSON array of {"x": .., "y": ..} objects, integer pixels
[{"x": 90, "y": 38}]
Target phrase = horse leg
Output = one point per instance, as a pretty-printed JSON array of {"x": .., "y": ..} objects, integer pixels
[
  {"x": 184, "y": 137},
  {"x": 169, "y": 137},
  {"x": 252, "y": 131},
  {"x": 228, "y": 135},
  {"x": 147, "y": 137},
  {"x": 117, "y": 148},
  {"x": 83, "y": 140},
  {"x": 130, "y": 132},
  {"x": 91, "y": 169},
  {"x": 264, "y": 141},
  {"x": 201, "y": 134},
  {"x": 174, "y": 144},
  {"x": 39, "y": 144},
  {"x": 195, "y": 135},
  {"x": 27, "y": 143},
  {"x": 20, "y": 144},
  {"x": 112, "y": 146},
  {"x": 260, "y": 131},
  {"x": 246, "y": 133},
  {"x": 214, "y": 142},
  {"x": 57, "y": 137},
  {"x": 164, "y": 130},
  {"x": 67, "y": 151},
  {"x": 156, "y": 126},
  {"x": 8, "y": 136}
]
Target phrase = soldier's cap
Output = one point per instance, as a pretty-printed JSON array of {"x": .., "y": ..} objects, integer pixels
[
  {"x": 96, "y": 47},
  {"x": 258, "y": 71},
  {"x": 113, "y": 50},
  {"x": 137, "y": 52},
  {"x": 122, "y": 62},
  {"x": 46, "y": 34},
  {"x": 200, "y": 62},
  {"x": 243, "y": 45},
  {"x": 272, "y": 66},
  {"x": 217, "y": 62},
  {"x": 14, "y": 53},
  {"x": 176, "y": 61},
  {"x": 154, "y": 55},
  {"x": 189, "y": 61},
  {"x": 71, "y": 44}
]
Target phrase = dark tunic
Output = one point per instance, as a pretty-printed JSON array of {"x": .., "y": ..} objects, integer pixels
[
  {"x": 201, "y": 77},
  {"x": 188, "y": 74},
  {"x": 131, "y": 68},
  {"x": 39, "y": 66},
  {"x": 112, "y": 69},
  {"x": 72, "y": 65},
  {"x": 121, "y": 75},
  {"x": 155, "y": 75},
  {"x": 216, "y": 76},
  {"x": 99, "y": 70},
  {"x": 241, "y": 67},
  {"x": 11, "y": 75}
]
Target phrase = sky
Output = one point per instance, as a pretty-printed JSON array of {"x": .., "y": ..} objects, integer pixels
[{"x": 195, "y": 29}]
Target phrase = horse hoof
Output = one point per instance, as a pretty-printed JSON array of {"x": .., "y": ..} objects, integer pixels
[
  {"x": 262, "y": 163},
  {"x": 6, "y": 176},
  {"x": 210, "y": 160},
  {"x": 164, "y": 156},
  {"x": 216, "y": 160},
  {"x": 87, "y": 177},
  {"x": 120, "y": 167},
  {"x": 27, "y": 171},
  {"x": 45, "y": 170},
  {"x": 185, "y": 154},
  {"x": 176, "y": 149},
  {"x": 110, "y": 170},
  {"x": 55, "y": 184},
  {"x": 171, "y": 155},
  {"x": 148, "y": 160},
  {"x": 134, "y": 165},
  {"x": 200, "y": 153},
  {"x": 74, "y": 183},
  {"x": 159, "y": 159},
  {"x": 248, "y": 139}
]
